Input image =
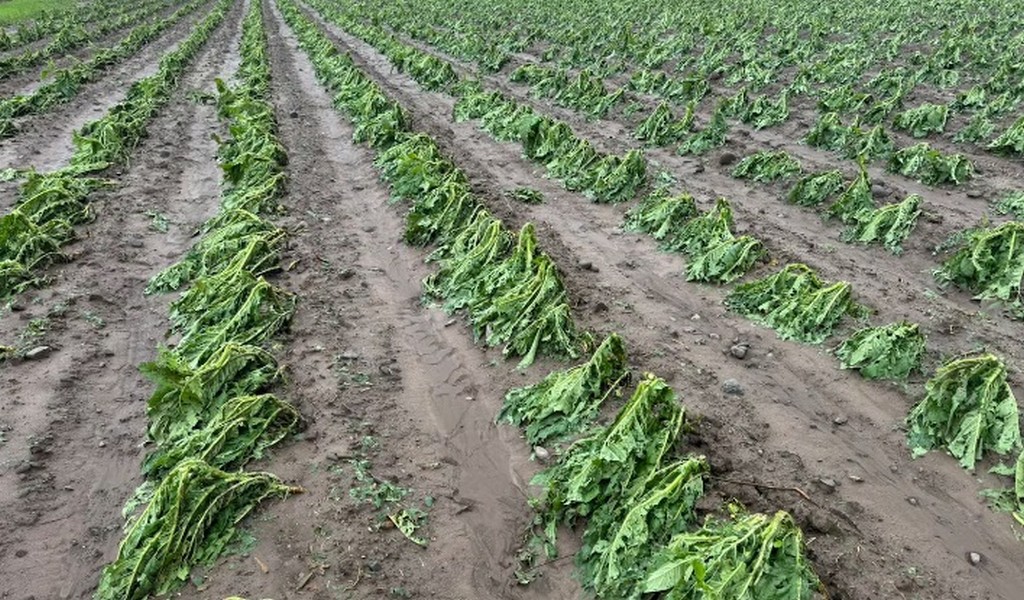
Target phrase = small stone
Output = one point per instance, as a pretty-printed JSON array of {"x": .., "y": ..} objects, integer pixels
[
  {"x": 911, "y": 500},
  {"x": 17, "y": 306},
  {"x": 103, "y": 444},
  {"x": 975, "y": 558},
  {"x": 695, "y": 317},
  {"x": 975, "y": 193},
  {"x": 135, "y": 243},
  {"x": 586, "y": 265},
  {"x": 38, "y": 352},
  {"x": 732, "y": 387},
  {"x": 840, "y": 420},
  {"x": 698, "y": 169},
  {"x": 856, "y": 479},
  {"x": 541, "y": 453},
  {"x": 349, "y": 355},
  {"x": 20, "y": 552},
  {"x": 829, "y": 483},
  {"x": 739, "y": 351},
  {"x": 348, "y": 273}
]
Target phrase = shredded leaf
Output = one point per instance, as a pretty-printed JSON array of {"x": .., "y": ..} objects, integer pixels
[
  {"x": 566, "y": 402},
  {"x": 968, "y": 409},
  {"x": 749, "y": 557},
  {"x": 795, "y": 303},
  {"x": 891, "y": 351}
]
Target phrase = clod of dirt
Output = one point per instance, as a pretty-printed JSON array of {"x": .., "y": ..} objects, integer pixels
[
  {"x": 727, "y": 159},
  {"x": 732, "y": 387},
  {"x": 348, "y": 273},
  {"x": 294, "y": 114},
  {"x": 828, "y": 483},
  {"x": 600, "y": 307},
  {"x": 38, "y": 352},
  {"x": 975, "y": 558},
  {"x": 975, "y": 193},
  {"x": 586, "y": 265},
  {"x": 17, "y": 306},
  {"x": 739, "y": 351}
]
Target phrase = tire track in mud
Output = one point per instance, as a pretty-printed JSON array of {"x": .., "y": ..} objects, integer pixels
[
  {"x": 786, "y": 429},
  {"x": 367, "y": 359},
  {"x": 44, "y": 141},
  {"x": 77, "y": 416}
]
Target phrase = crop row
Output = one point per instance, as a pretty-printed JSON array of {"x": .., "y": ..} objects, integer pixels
[
  {"x": 552, "y": 143},
  {"x": 625, "y": 479},
  {"x": 510, "y": 289},
  {"x": 753, "y": 58},
  {"x": 53, "y": 22},
  {"x": 76, "y": 35},
  {"x": 210, "y": 414},
  {"x": 573, "y": 160},
  {"x": 66, "y": 82},
  {"x": 800, "y": 306},
  {"x": 51, "y": 204}
]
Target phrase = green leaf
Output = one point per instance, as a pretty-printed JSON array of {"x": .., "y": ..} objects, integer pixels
[
  {"x": 968, "y": 408},
  {"x": 566, "y": 402},
  {"x": 888, "y": 352},
  {"x": 749, "y": 557}
]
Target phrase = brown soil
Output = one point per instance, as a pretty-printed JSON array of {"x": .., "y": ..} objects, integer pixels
[{"x": 383, "y": 378}]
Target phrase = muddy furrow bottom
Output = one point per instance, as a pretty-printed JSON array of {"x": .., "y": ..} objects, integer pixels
[
  {"x": 879, "y": 524},
  {"x": 44, "y": 141},
  {"x": 74, "y": 420},
  {"x": 381, "y": 378}
]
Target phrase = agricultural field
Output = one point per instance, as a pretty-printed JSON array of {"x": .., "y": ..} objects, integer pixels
[{"x": 542, "y": 299}]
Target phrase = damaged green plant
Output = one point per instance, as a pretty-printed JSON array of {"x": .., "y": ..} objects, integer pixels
[
  {"x": 566, "y": 402},
  {"x": 795, "y": 303},
  {"x": 890, "y": 351},
  {"x": 968, "y": 409}
]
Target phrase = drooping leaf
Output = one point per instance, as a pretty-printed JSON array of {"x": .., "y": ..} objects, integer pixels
[
  {"x": 748, "y": 557},
  {"x": 968, "y": 409},
  {"x": 891, "y": 351},
  {"x": 566, "y": 402}
]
